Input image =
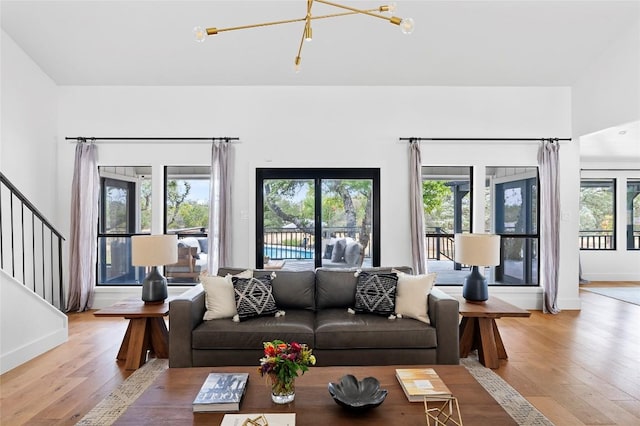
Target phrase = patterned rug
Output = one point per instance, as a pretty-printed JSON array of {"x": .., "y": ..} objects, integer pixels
[
  {"x": 626, "y": 294},
  {"x": 110, "y": 408},
  {"x": 513, "y": 403}
]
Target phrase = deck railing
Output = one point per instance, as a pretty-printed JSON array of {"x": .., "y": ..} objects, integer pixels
[
  {"x": 597, "y": 239},
  {"x": 439, "y": 244},
  {"x": 30, "y": 247},
  {"x": 298, "y": 243},
  {"x": 603, "y": 240}
]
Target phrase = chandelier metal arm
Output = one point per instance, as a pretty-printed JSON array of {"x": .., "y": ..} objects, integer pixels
[
  {"x": 393, "y": 19},
  {"x": 306, "y": 33},
  {"x": 214, "y": 30},
  {"x": 406, "y": 25}
]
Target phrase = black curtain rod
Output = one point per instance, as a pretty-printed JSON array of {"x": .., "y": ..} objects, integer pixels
[
  {"x": 95, "y": 139},
  {"x": 485, "y": 139}
]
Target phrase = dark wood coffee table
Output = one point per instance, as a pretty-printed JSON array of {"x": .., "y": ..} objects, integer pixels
[{"x": 168, "y": 400}]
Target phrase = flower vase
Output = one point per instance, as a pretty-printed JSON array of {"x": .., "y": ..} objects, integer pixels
[{"x": 282, "y": 391}]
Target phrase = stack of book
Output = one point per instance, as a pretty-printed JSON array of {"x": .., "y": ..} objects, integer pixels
[
  {"x": 221, "y": 392},
  {"x": 420, "y": 382}
]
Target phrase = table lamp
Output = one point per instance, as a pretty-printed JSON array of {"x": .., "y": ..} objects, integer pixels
[
  {"x": 154, "y": 250},
  {"x": 476, "y": 250}
]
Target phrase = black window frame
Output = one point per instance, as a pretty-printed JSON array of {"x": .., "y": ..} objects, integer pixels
[
  {"x": 532, "y": 233},
  {"x": 318, "y": 174},
  {"x": 614, "y": 214}
]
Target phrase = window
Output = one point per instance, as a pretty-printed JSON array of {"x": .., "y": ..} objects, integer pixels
[
  {"x": 446, "y": 194},
  {"x": 125, "y": 210},
  {"x": 597, "y": 214},
  {"x": 187, "y": 200},
  {"x": 307, "y": 218},
  {"x": 633, "y": 214},
  {"x": 186, "y": 208},
  {"x": 512, "y": 210}
]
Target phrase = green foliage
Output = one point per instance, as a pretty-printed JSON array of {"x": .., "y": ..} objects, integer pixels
[
  {"x": 438, "y": 199},
  {"x": 596, "y": 208},
  {"x": 145, "y": 205},
  {"x": 434, "y": 194},
  {"x": 116, "y": 210},
  {"x": 291, "y": 242},
  {"x": 345, "y": 203},
  {"x": 182, "y": 212}
]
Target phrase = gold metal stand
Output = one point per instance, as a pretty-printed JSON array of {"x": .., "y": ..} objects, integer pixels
[{"x": 445, "y": 413}]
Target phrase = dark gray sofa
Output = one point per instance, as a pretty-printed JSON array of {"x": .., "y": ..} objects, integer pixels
[{"x": 316, "y": 314}]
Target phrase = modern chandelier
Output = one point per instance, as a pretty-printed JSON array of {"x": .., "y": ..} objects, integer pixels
[{"x": 406, "y": 25}]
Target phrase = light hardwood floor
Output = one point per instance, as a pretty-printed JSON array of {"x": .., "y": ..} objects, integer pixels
[{"x": 577, "y": 367}]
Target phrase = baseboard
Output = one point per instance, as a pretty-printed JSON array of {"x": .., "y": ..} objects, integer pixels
[
  {"x": 611, "y": 276},
  {"x": 16, "y": 357}
]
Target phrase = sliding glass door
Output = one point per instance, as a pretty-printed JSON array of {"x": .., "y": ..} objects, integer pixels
[{"x": 307, "y": 218}]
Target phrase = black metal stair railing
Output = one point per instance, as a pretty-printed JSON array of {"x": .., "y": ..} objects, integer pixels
[{"x": 30, "y": 247}]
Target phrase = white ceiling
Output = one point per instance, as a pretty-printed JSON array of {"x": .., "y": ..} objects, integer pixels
[
  {"x": 458, "y": 43},
  {"x": 455, "y": 43}
]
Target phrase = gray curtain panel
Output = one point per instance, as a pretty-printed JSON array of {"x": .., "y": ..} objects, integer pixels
[
  {"x": 550, "y": 226},
  {"x": 83, "y": 241},
  {"x": 416, "y": 209},
  {"x": 219, "y": 207}
]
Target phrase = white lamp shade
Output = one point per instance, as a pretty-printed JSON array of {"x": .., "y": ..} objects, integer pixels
[
  {"x": 154, "y": 250},
  {"x": 477, "y": 249}
]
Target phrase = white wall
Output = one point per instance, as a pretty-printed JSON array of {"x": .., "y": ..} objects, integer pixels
[
  {"x": 325, "y": 127},
  {"x": 608, "y": 95},
  {"x": 28, "y": 131},
  {"x": 29, "y": 326},
  {"x": 608, "y": 92}
]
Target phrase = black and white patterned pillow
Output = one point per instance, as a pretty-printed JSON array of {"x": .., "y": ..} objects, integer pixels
[
  {"x": 376, "y": 293},
  {"x": 254, "y": 297}
]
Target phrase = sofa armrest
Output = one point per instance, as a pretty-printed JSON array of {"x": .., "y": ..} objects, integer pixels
[
  {"x": 444, "y": 316},
  {"x": 185, "y": 313}
]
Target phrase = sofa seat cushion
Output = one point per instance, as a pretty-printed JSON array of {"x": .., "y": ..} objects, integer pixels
[
  {"x": 295, "y": 326},
  {"x": 338, "y": 329}
]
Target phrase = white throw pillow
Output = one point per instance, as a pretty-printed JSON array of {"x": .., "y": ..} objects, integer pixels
[
  {"x": 220, "y": 298},
  {"x": 411, "y": 295}
]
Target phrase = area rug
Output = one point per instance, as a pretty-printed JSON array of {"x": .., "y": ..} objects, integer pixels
[
  {"x": 626, "y": 294},
  {"x": 112, "y": 407},
  {"x": 109, "y": 409},
  {"x": 509, "y": 399}
]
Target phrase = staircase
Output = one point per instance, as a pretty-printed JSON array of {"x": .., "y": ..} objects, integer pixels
[{"x": 30, "y": 247}]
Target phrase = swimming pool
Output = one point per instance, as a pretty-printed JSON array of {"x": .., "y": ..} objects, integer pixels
[{"x": 286, "y": 252}]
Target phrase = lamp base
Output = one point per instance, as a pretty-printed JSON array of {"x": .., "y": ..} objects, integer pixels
[
  {"x": 154, "y": 287},
  {"x": 475, "y": 287}
]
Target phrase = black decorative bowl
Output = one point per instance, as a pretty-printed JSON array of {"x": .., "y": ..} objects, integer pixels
[{"x": 357, "y": 395}]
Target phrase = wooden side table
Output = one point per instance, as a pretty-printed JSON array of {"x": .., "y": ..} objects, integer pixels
[
  {"x": 146, "y": 330},
  {"x": 478, "y": 329}
]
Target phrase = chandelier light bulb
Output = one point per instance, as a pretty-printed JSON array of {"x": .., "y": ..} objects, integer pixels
[
  {"x": 308, "y": 33},
  {"x": 407, "y": 26},
  {"x": 392, "y": 7},
  {"x": 199, "y": 34},
  {"x": 297, "y": 64}
]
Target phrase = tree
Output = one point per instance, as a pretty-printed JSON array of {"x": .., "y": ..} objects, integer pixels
[
  {"x": 176, "y": 195},
  {"x": 596, "y": 208},
  {"x": 145, "y": 205},
  {"x": 344, "y": 203}
]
